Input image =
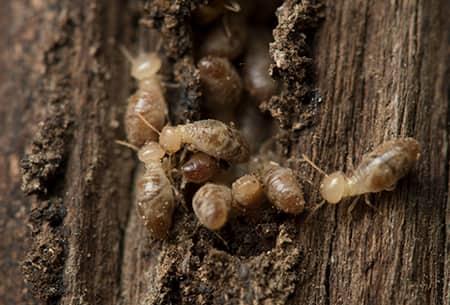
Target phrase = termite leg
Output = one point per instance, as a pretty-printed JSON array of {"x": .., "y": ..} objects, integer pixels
[
  {"x": 313, "y": 212},
  {"x": 352, "y": 207}
]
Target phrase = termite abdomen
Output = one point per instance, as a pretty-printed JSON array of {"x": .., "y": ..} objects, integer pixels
[
  {"x": 199, "y": 168},
  {"x": 150, "y": 103},
  {"x": 155, "y": 201},
  {"x": 247, "y": 192},
  {"x": 281, "y": 188},
  {"x": 221, "y": 84},
  {"x": 212, "y": 204}
]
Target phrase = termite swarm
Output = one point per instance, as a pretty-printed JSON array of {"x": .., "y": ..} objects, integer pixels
[
  {"x": 247, "y": 193},
  {"x": 280, "y": 186},
  {"x": 212, "y": 205},
  {"x": 378, "y": 171},
  {"x": 148, "y": 100},
  {"x": 209, "y": 136},
  {"x": 199, "y": 168},
  {"x": 155, "y": 198}
]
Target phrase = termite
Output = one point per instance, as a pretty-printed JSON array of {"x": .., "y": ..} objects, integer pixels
[
  {"x": 221, "y": 84},
  {"x": 379, "y": 171},
  {"x": 212, "y": 205},
  {"x": 257, "y": 61},
  {"x": 280, "y": 186},
  {"x": 147, "y": 101},
  {"x": 209, "y": 136},
  {"x": 155, "y": 197},
  {"x": 199, "y": 168},
  {"x": 247, "y": 192}
]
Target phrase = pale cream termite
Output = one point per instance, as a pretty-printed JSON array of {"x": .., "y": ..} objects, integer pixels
[
  {"x": 209, "y": 136},
  {"x": 280, "y": 186},
  {"x": 155, "y": 197},
  {"x": 221, "y": 84},
  {"x": 379, "y": 171},
  {"x": 199, "y": 168},
  {"x": 212, "y": 205},
  {"x": 147, "y": 101},
  {"x": 247, "y": 192}
]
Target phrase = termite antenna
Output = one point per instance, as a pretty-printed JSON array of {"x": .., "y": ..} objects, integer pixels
[
  {"x": 313, "y": 165},
  {"x": 313, "y": 212},
  {"x": 148, "y": 123},
  {"x": 126, "y": 53},
  {"x": 233, "y": 6},
  {"x": 126, "y": 144}
]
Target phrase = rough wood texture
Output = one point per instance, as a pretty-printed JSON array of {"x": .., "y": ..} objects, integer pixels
[{"x": 373, "y": 70}]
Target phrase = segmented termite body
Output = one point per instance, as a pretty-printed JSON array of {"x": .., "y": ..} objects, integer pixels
[
  {"x": 281, "y": 187},
  {"x": 199, "y": 168},
  {"x": 209, "y": 136},
  {"x": 221, "y": 84},
  {"x": 227, "y": 39},
  {"x": 212, "y": 205},
  {"x": 257, "y": 60},
  {"x": 248, "y": 192},
  {"x": 148, "y": 100},
  {"x": 379, "y": 170},
  {"x": 155, "y": 198}
]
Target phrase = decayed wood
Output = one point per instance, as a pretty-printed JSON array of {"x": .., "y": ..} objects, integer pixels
[{"x": 380, "y": 72}]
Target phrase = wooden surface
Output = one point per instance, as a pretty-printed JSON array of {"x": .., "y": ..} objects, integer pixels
[{"x": 380, "y": 70}]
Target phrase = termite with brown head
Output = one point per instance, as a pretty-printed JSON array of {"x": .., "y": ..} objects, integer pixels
[
  {"x": 212, "y": 205},
  {"x": 221, "y": 86},
  {"x": 280, "y": 186},
  {"x": 148, "y": 100},
  {"x": 379, "y": 171},
  {"x": 155, "y": 197}
]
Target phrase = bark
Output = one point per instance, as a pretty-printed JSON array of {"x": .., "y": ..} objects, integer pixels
[{"x": 355, "y": 73}]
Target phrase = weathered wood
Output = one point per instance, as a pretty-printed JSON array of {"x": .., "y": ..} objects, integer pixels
[
  {"x": 373, "y": 71},
  {"x": 381, "y": 69}
]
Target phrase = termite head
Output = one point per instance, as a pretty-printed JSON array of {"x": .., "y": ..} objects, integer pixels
[
  {"x": 170, "y": 139},
  {"x": 143, "y": 66},
  {"x": 151, "y": 152},
  {"x": 333, "y": 187},
  {"x": 146, "y": 65}
]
